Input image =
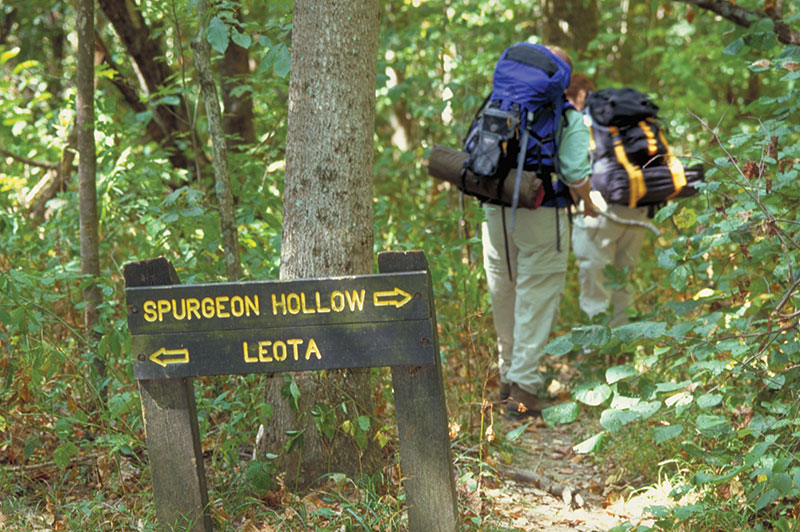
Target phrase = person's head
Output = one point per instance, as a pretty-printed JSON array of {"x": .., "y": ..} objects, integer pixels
[
  {"x": 560, "y": 52},
  {"x": 579, "y": 88}
]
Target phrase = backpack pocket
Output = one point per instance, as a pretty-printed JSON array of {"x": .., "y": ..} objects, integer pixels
[{"x": 489, "y": 141}]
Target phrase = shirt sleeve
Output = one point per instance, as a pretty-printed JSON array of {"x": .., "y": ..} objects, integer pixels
[{"x": 573, "y": 149}]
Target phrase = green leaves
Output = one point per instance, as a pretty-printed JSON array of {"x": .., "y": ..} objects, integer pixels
[
  {"x": 561, "y": 413},
  {"x": 593, "y": 394},
  {"x": 217, "y": 35},
  {"x": 618, "y": 373},
  {"x": 590, "y": 445},
  {"x": 514, "y": 434},
  {"x": 662, "y": 434},
  {"x": 559, "y": 346}
]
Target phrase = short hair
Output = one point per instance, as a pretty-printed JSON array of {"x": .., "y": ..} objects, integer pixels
[
  {"x": 579, "y": 82},
  {"x": 560, "y": 52}
]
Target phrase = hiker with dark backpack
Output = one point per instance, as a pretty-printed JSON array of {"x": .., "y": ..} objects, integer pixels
[
  {"x": 526, "y": 249},
  {"x": 633, "y": 171},
  {"x": 598, "y": 242}
]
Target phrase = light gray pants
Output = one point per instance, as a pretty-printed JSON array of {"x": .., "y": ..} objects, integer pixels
[
  {"x": 599, "y": 242},
  {"x": 524, "y": 309}
]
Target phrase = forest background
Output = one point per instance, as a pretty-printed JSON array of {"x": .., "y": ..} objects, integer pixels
[{"x": 700, "y": 388}]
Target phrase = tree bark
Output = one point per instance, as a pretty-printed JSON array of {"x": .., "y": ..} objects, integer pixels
[
  {"x": 327, "y": 223},
  {"x": 227, "y": 219},
  {"x": 87, "y": 170}
]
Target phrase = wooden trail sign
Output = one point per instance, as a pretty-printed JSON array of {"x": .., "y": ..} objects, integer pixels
[{"x": 182, "y": 331}]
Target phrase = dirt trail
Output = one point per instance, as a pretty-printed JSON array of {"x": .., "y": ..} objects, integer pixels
[{"x": 531, "y": 506}]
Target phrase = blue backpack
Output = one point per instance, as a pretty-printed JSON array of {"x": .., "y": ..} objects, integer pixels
[{"x": 517, "y": 125}]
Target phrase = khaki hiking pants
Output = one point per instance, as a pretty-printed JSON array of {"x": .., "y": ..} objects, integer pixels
[
  {"x": 524, "y": 309},
  {"x": 599, "y": 242}
]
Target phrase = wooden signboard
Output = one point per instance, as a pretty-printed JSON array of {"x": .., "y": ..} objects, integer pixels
[
  {"x": 268, "y": 327},
  {"x": 183, "y": 331}
]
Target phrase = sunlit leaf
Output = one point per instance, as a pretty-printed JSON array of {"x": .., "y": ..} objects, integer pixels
[
  {"x": 592, "y": 394},
  {"x": 589, "y": 445},
  {"x": 617, "y": 373}
]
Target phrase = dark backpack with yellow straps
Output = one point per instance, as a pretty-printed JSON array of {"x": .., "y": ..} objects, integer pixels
[{"x": 632, "y": 163}]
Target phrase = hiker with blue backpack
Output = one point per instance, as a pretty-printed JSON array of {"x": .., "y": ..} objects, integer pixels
[
  {"x": 526, "y": 249},
  {"x": 526, "y": 158}
]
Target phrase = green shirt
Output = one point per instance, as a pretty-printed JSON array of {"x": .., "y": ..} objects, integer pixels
[{"x": 573, "y": 148}]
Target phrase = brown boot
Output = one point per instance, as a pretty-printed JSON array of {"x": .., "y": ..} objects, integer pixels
[{"x": 522, "y": 403}]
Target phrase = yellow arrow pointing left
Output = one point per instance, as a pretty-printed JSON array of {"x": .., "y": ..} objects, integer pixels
[
  {"x": 378, "y": 298},
  {"x": 165, "y": 356}
]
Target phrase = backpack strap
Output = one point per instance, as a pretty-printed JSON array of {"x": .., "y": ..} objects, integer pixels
[
  {"x": 652, "y": 143},
  {"x": 675, "y": 168},
  {"x": 637, "y": 189}
]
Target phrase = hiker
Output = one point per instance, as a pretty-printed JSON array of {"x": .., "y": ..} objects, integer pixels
[
  {"x": 526, "y": 261},
  {"x": 598, "y": 242}
]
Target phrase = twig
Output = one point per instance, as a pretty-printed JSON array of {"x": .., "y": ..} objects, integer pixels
[
  {"x": 30, "y": 162},
  {"x": 571, "y": 498},
  {"x": 624, "y": 221},
  {"x": 28, "y": 468}
]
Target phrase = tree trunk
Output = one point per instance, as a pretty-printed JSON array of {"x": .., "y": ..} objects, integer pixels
[
  {"x": 87, "y": 169},
  {"x": 581, "y": 18},
  {"x": 327, "y": 223},
  {"x": 227, "y": 219}
]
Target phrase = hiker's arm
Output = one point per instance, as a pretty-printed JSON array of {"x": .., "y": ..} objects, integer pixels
[
  {"x": 573, "y": 157},
  {"x": 581, "y": 191}
]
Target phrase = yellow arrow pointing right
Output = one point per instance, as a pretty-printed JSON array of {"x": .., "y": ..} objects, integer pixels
[{"x": 404, "y": 296}]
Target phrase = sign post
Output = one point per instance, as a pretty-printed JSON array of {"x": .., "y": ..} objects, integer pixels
[{"x": 387, "y": 319}]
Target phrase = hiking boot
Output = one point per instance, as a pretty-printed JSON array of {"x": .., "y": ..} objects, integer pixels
[
  {"x": 522, "y": 403},
  {"x": 505, "y": 391}
]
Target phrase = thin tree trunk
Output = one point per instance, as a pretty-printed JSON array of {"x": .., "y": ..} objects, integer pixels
[
  {"x": 327, "y": 223},
  {"x": 227, "y": 219},
  {"x": 87, "y": 169}
]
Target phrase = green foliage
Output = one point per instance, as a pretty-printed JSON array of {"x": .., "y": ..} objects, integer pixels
[
  {"x": 705, "y": 376},
  {"x": 714, "y": 367}
]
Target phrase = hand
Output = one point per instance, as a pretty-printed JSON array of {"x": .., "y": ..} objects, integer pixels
[{"x": 589, "y": 208}]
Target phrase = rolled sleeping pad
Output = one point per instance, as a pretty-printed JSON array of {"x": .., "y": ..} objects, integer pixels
[{"x": 446, "y": 163}]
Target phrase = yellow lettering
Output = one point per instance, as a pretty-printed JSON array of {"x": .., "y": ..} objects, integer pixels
[
  {"x": 149, "y": 308},
  {"x": 182, "y": 314},
  {"x": 222, "y": 312},
  {"x": 303, "y": 301},
  {"x": 279, "y": 351},
  {"x": 251, "y": 303},
  {"x": 275, "y": 304},
  {"x": 312, "y": 349},
  {"x": 355, "y": 300},
  {"x": 293, "y": 303},
  {"x": 192, "y": 307},
  {"x": 163, "y": 308},
  {"x": 237, "y": 306},
  {"x": 245, "y": 352},
  {"x": 263, "y": 351},
  {"x": 320, "y": 308},
  {"x": 337, "y": 301},
  {"x": 207, "y": 307},
  {"x": 294, "y": 342}
]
